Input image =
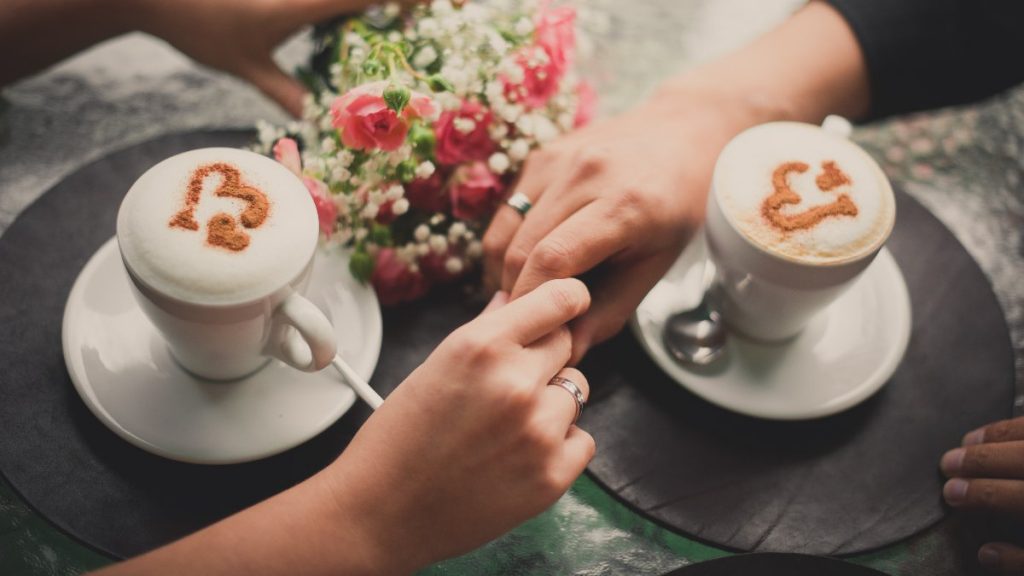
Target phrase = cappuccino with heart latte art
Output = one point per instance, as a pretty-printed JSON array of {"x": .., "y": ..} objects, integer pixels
[
  {"x": 804, "y": 194},
  {"x": 217, "y": 226}
]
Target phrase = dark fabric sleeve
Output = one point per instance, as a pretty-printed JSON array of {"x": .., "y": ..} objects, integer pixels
[{"x": 925, "y": 54}]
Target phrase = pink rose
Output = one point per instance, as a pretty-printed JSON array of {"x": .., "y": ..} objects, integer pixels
[
  {"x": 455, "y": 146},
  {"x": 394, "y": 281},
  {"x": 326, "y": 211},
  {"x": 586, "y": 104},
  {"x": 427, "y": 194},
  {"x": 474, "y": 191},
  {"x": 365, "y": 122},
  {"x": 541, "y": 77},
  {"x": 286, "y": 151},
  {"x": 555, "y": 32}
]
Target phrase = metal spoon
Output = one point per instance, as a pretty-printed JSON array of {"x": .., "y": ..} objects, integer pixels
[{"x": 696, "y": 336}]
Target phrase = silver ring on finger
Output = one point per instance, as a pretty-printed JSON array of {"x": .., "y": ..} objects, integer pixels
[
  {"x": 520, "y": 203},
  {"x": 574, "y": 391}
]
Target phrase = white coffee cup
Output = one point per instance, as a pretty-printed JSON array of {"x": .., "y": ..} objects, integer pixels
[
  {"x": 221, "y": 272},
  {"x": 777, "y": 264}
]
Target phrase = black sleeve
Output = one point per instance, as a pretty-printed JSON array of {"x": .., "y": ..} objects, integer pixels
[{"x": 925, "y": 54}]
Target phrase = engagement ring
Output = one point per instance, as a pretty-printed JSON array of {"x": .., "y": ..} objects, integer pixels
[{"x": 574, "y": 390}]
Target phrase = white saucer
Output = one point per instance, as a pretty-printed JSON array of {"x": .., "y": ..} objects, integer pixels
[
  {"x": 846, "y": 354},
  {"x": 124, "y": 373}
]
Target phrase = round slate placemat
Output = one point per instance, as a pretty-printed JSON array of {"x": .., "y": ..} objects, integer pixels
[
  {"x": 766, "y": 564},
  {"x": 839, "y": 485},
  {"x": 847, "y": 483},
  {"x": 58, "y": 456}
]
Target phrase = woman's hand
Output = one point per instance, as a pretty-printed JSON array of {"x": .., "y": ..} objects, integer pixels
[
  {"x": 474, "y": 442},
  {"x": 471, "y": 444},
  {"x": 987, "y": 475},
  {"x": 626, "y": 193},
  {"x": 239, "y": 36}
]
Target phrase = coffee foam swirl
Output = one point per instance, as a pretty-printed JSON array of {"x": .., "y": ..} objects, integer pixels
[
  {"x": 217, "y": 225},
  {"x": 803, "y": 193}
]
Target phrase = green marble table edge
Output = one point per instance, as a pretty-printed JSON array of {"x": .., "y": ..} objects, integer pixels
[{"x": 30, "y": 545}]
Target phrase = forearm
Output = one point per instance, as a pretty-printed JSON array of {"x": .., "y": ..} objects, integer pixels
[
  {"x": 807, "y": 68},
  {"x": 304, "y": 530},
  {"x": 37, "y": 33}
]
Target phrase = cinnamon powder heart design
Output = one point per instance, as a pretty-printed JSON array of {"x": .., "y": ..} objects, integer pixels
[
  {"x": 223, "y": 229},
  {"x": 831, "y": 177}
]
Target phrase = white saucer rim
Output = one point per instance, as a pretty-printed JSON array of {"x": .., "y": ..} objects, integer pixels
[
  {"x": 872, "y": 382},
  {"x": 375, "y": 340}
]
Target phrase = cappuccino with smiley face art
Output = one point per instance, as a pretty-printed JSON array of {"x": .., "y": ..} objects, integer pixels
[
  {"x": 804, "y": 194},
  {"x": 796, "y": 212}
]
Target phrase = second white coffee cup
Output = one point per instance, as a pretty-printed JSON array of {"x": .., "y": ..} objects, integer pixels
[{"x": 795, "y": 214}]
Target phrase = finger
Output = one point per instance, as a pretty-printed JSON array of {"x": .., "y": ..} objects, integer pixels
[
  {"x": 278, "y": 86},
  {"x": 584, "y": 240},
  {"x": 557, "y": 405},
  {"x": 559, "y": 201},
  {"x": 549, "y": 354},
  {"x": 499, "y": 299},
  {"x": 577, "y": 452},
  {"x": 500, "y": 232},
  {"x": 1002, "y": 460},
  {"x": 1001, "y": 431},
  {"x": 540, "y": 312},
  {"x": 615, "y": 299},
  {"x": 997, "y": 496},
  {"x": 1002, "y": 558}
]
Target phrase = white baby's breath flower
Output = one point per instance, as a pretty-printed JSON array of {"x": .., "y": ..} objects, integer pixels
[
  {"x": 422, "y": 249},
  {"x": 370, "y": 211},
  {"x": 436, "y": 219},
  {"x": 428, "y": 28},
  {"x": 566, "y": 121},
  {"x": 425, "y": 170},
  {"x": 328, "y": 145},
  {"x": 498, "y": 163},
  {"x": 498, "y": 131},
  {"x": 345, "y": 158},
  {"x": 438, "y": 244},
  {"x": 340, "y": 175},
  {"x": 414, "y": 268},
  {"x": 376, "y": 197},
  {"x": 361, "y": 234},
  {"x": 394, "y": 192},
  {"x": 425, "y": 57},
  {"x": 422, "y": 233},
  {"x": 326, "y": 123},
  {"x": 456, "y": 231},
  {"x": 400, "y": 206},
  {"x": 544, "y": 129},
  {"x": 519, "y": 150},
  {"x": 475, "y": 249},
  {"x": 464, "y": 125},
  {"x": 524, "y": 26},
  {"x": 453, "y": 265}
]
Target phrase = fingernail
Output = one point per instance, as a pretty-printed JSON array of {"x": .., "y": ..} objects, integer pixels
[
  {"x": 952, "y": 461},
  {"x": 974, "y": 437},
  {"x": 988, "y": 557},
  {"x": 955, "y": 491}
]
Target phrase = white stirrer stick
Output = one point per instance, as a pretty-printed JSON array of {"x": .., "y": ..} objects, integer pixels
[{"x": 357, "y": 384}]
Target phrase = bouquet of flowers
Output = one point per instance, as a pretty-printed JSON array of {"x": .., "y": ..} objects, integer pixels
[{"x": 412, "y": 137}]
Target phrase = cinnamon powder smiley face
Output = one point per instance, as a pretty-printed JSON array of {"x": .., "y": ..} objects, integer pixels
[
  {"x": 830, "y": 178},
  {"x": 223, "y": 229}
]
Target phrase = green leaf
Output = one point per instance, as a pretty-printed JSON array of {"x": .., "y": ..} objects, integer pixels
[
  {"x": 438, "y": 83},
  {"x": 396, "y": 97},
  {"x": 361, "y": 265},
  {"x": 406, "y": 170},
  {"x": 422, "y": 139},
  {"x": 380, "y": 235}
]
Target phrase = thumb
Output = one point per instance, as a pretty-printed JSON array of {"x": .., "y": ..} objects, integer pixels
[{"x": 277, "y": 85}]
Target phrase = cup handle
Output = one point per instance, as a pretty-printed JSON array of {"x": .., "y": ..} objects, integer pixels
[{"x": 301, "y": 336}]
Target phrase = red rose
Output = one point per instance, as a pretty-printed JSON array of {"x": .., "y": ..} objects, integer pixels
[
  {"x": 428, "y": 194},
  {"x": 541, "y": 77},
  {"x": 455, "y": 145},
  {"x": 475, "y": 191},
  {"x": 365, "y": 122},
  {"x": 394, "y": 281}
]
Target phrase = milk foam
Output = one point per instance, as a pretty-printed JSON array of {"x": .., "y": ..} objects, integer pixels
[
  {"x": 182, "y": 264},
  {"x": 743, "y": 180}
]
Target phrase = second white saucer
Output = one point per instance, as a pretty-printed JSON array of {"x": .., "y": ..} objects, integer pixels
[
  {"x": 121, "y": 367},
  {"x": 845, "y": 355}
]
